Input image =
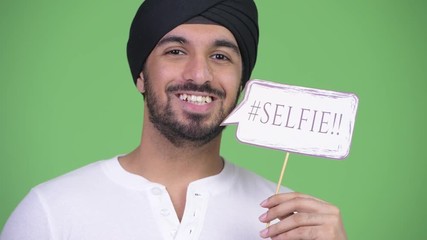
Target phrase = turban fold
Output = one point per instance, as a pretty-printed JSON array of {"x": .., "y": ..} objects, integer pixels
[{"x": 155, "y": 18}]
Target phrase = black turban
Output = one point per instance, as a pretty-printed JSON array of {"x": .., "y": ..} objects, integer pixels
[{"x": 155, "y": 18}]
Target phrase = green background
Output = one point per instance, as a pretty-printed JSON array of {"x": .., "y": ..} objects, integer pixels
[{"x": 67, "y": 99}]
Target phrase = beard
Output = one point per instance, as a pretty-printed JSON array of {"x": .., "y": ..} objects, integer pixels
[{"x": 196, "y": 131}]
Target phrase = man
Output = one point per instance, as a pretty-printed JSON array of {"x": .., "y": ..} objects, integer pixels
[{"x": 190, "y": 60}]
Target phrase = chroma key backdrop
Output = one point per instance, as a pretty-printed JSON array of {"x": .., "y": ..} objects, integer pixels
[{"x": 67, "y": 99}]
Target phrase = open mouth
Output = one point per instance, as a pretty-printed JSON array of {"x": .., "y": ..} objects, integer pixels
[{"x": 195, "y": 99}]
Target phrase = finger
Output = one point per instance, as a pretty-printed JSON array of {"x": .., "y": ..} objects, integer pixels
[
  {"x": 265, "y": 218},
  {"x": 306, "y": 233},
  {"x": 298, "y": 220},
  {"x": 281, "y": 197},
  {"x": 298, "y": 205}
]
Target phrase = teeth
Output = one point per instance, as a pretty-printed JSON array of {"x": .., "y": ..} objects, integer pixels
[{"x": 195, "y": 99}]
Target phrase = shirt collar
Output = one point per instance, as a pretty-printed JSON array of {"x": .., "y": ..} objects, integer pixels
[{"x": 212, "y": 184}]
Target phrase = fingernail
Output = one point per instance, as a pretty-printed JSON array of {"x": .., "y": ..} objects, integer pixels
[
  {"x": 263, "y": 217},
  {"x": 264, "y": 233},
  {"x": 264, "y": 203}
]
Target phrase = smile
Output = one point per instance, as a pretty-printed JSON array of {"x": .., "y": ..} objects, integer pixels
[{"x": 195, "y": 99}]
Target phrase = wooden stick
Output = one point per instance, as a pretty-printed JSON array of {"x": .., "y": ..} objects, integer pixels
[
  {"x": 279, "y": 183},
  {"x": 282, "y": 173}
]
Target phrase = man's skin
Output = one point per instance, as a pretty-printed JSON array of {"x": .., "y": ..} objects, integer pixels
[{"x": 207, "y": 54}]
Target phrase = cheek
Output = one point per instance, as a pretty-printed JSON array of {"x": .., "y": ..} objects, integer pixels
[
  {"x": 160, "y": 76},
  {"x": 232, "y": 82},
  {"x": 229, "y": 80},
  {"x": 160, "y": 72},
  {"x": 232, "y": 89}
]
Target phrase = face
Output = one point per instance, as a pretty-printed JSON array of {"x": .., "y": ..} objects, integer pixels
[{"x": 191, "y": 82}]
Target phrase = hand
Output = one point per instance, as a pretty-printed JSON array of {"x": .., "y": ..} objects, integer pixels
[{"x": 301, "y": 217}]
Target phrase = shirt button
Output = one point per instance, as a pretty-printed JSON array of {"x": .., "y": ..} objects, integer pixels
[
  {"x": 173, "y": 233},
  {"x": 165, "y": 212},
  {"x": 156, "y": 191}
]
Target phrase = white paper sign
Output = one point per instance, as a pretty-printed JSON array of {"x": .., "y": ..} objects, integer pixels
[{"x": 295, "y": 119}]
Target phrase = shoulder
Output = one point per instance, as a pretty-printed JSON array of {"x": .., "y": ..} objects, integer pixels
[
  {"x": 88, "y": 172},
  {"x": 35, "y": 214},
  {"x": 80, "y": 181}
]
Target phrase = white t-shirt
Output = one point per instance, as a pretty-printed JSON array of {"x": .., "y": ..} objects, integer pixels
[{"x": 103, "y": 201}]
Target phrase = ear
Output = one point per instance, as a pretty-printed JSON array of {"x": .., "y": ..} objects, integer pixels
[{"x": 140, "y": 83}]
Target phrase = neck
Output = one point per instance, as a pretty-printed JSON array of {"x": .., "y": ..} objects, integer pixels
[{"x": 160, "y": 161}]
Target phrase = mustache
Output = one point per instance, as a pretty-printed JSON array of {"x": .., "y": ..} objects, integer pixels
[{"x": 190, "y": 86}]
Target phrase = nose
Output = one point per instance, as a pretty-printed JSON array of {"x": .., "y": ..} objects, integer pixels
[{"x": 198, "y": 70}]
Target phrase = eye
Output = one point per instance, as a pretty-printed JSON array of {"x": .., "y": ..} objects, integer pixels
[
  {"x": 219, "y": 56},
  {"x": 175, "y": 52}
]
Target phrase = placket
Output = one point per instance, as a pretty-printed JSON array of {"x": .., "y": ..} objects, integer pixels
[
  {"x": 194, "y": 215},
  {"x": 163, "y": 211}
]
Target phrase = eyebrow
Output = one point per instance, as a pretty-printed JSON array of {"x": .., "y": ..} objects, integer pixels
[
  {"x": 181, "y": 40},
  {"x": 172, "y": 39},
  {"x": 227, "y": 44}
]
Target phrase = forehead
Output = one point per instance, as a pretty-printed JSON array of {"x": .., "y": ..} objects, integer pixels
[{"x": 201, "y": 33}]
